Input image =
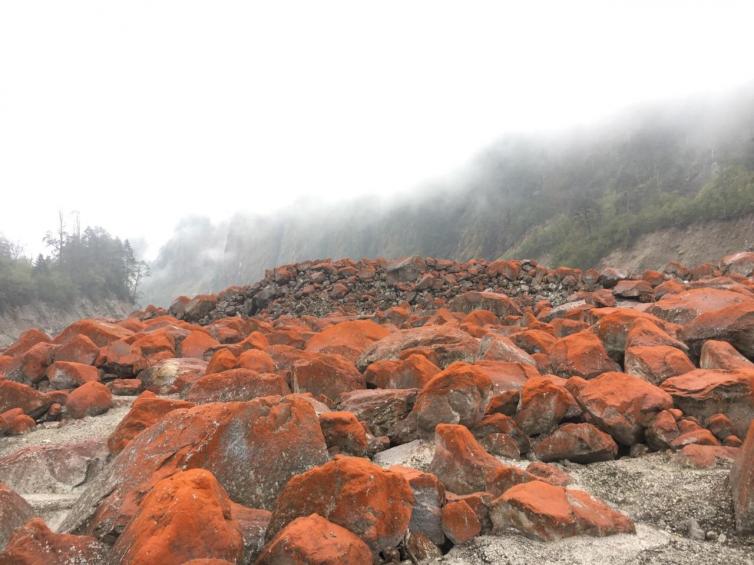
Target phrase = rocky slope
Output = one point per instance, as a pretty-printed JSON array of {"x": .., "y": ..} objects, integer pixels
[
  {"x": 415, "y": 411},
  {"x": 52, "y": 319}
]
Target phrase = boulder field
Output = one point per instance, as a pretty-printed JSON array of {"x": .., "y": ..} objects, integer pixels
[{"x": 410, "y": 411}]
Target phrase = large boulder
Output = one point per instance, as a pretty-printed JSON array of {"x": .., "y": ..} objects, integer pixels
[
  {"x": 412, "y": 372},
  {"x": 67, "y": 374},
  {"x": 457, "y": 395},
  {"x": 497, "y": 303},
  {"x": 742, "y": 485},
  {"x": 464, "y": 466},
  {"x": 544, "y": 403},
  {"x": 722, "y": 355},
  {"x": 429, "y": 498},
  {"x": 35, "y": 544},
  {"x": 620, "y": 404},
  {"x": 548, "y": 512},
  {"x": 734, "y": 324},
  {"x": 686, "y": 306},
  {"x": 704, "y": 392},
  {"x": 656, "y": 363},
  {"x": 581, "y": 354},
  {"x": 236, "y": 385},
  {"x": 14, "y": 513},
  {"x": 315, "y": 541},
  {"x": 580, "y": 443},
  {"x": 185, "y": 516},
  {"x": 373, "y": 503},
  {"x": 382, "y": 410},
  {"x": 349, "y": 339},
  {"x": 90, "y": 399},
  {"x": 447, "y": 343},
  {"x": 326, "y": 377},
  {"x": 170, "y": 376},
  {"x": 252, "y": 448},
  {"x": 146, "y": 410},
  {"x": 19, "y": 395}
]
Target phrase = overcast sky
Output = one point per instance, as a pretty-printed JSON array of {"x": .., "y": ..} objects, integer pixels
[{"x": 137, "y": 113}]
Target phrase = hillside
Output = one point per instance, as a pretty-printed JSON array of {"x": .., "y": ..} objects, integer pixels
[{"x": 571, "y": 198}]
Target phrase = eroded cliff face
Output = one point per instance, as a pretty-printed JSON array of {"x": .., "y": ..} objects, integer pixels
[{"x": 52, "y": 319}]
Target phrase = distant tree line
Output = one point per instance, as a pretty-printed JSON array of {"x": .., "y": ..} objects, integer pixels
[{"x": 89, "y": 264}]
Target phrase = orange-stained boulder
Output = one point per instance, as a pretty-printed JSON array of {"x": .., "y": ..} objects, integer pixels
[
  {"x": 185, "y": 516},
  {"x": 67, "y": 374},
  {"x": 78, "y": 349},
  {"x": 236, "y": 385},
  {"x": 457, "y": 395},
  {"x": 706, "y": 456},
  {"x": 90, "y": 399},
  {"x": 544, "y": 403},
  {"x": 704, "y": 392},
  {"x": 534, "y": 341},
  {"x": 613, "y": 326},
  {"x": 100, "y": 332},
  {"x": 742, "y": 484},
  {"x": 196, "y": 344},
  {"x": 495, "y": 347},
  {"x": 256, "y": 360},
  {"x": 252, "y": 448},
  {"x": 222, "y": 360},
  {"x": 548, "y": 512},
  {"x": 620, "y": 404},
  {"x": 500, "y": 435},
  {"x": 18, "y": 395},
  {"x": 173, "y": 375},
  {"x": 326, "y": 377},
  {"x": 373, "y": 503},
  {"x": 734, "y": 324},
  {"x": 14, "y": 513},
  {"x": 314, "y": 540},
  {"x": 481, "y": 318},
  {"x": 35, "y": 544},
  {"x": 460, "y": 462},
  {"x": 638, "y": 289},
  {"x": 688, "y": 305},
  {"x": 429, "y": 497},
  {"x": 662, "y": 430},
  {"x": 145, "y": 411},
  {"x": 349, "y": 339},
  {"x": 14, "y": 422},
  {"x": 656, "y": 363},
  {"x": 580, "y": 443},
  {"x": 722, "y": 355},
  {"x": 506, "y": 376},
  {"x": 35, "y": 360},
  {"x": 499, "y": 304},
  {"x": 449, "y": 344},
  {"x": 581, "y": 354},
  {"x": 459, "y": 522},
  {"x": 382, "y": 410},
  {"x": 344, "y": 433},
  {"x": 645, "y": 333},
  {"x": 412, "y": 372},
  {"x": 25, "y": 341}
]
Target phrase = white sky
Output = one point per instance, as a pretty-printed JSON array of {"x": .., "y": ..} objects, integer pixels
[{"x": 137, "y": 113}]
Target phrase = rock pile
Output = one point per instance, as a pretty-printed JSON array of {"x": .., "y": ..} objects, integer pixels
[{"x": 268, "y": 419}]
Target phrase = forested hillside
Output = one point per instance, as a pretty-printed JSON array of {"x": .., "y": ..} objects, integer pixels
[
  {"x": 572, "y": 197},
  {"x": 88, "y": 265}
]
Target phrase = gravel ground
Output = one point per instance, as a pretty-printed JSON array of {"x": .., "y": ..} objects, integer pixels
[
  {"x": 648, "y": 546},
  {"x": 64, "y": 431}
]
